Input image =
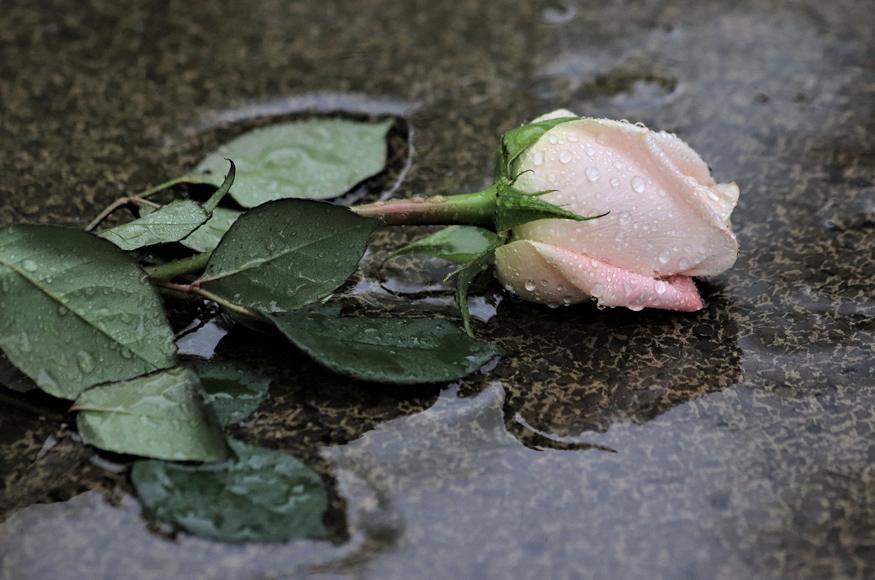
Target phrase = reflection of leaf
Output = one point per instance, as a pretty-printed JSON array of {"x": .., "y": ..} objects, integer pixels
[
  {"x": 159, "y": 415},
  {"x": 12, "y": 378},
  {"x": 263, "y": 495},
  {"x": 387, "y": 350},
  {"x": 285, "y": 254},
  {"x": 315, "y": 159},
  {"x": 75, "y": 311},
  {"x": 166, "y": 224},
  {"x": 207, "y": 236},
  {"x": 459, "y": 244},
  {"x": 233, "y": 390}
]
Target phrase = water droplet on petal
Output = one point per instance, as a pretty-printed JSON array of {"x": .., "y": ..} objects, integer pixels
[
  {"x": 538, "y": 157},
  {"x": 684, "y": 263},
  {"x": 664, "y": 257},
  {"x": 564, "y": 157},
  {"x": 615, "y": 182},
  {"x": 624, "y": 218},
  {"x": 638, "y": 184},
  {"x": 30, "y": 266},
  {"x": 598, "y": 290},
  {"x": 592, "y": 174},
  {"x": 661, "y": 287},
  {"x": 530, "y": 285}
]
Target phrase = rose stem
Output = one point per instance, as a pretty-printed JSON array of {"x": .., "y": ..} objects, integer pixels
[
  {"x": 466, "y": 209},
  {"x": 179, "y": 267}
]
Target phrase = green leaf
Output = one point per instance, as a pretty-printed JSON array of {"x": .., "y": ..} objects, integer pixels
[
  {"x": 386, "y": 350},
  {"x": 231, "y": 389},
  {"x": 516, "y": 141},
  {"x": 286, "y": 254},
  {"x": 515, "y": 207},
  {"x": 166, "y": 224},
  {"x": 76, "y": 311},
  {"x": 207, "y": 237},
  {"x": 263, "y": 495},
  {"x": 159, "y": 415},
  {"x": 169, "y": 223},
  {"x": 313, "y": 159},
  {"x": 459, "y": 244}
]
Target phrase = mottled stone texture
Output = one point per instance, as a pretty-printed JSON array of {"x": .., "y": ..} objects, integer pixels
[{"x": 738, "y": 442}]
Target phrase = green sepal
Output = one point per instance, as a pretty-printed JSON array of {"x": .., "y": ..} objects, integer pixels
[
  {"x": 457, "y": 244},
  {"x": 514, "y": 207},
  {"x": 516, "y": 141},
  {"x": 465, "y": 276}
]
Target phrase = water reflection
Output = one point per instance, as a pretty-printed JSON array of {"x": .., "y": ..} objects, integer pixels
[{"x": 597, "y": 369}]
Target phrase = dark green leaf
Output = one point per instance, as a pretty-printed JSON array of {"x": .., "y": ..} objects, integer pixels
[
  {"x": 75, "y": 311},
  {"x": 516, "y": 141},
  {"x": 208, "y": 236},
  {"x": 233, "y": 390},
  {"x": 160, "y": 415},
  {"x": 166, "y": 224},
  {"x": 286, "y": 254},
  {"x": 386, "y": 350},
  {"x": 314, "y": 159},
  {"x": 263, "y": 495},
  {"x": 515, "y": 207},
  {"x": 459, "y": 244}
]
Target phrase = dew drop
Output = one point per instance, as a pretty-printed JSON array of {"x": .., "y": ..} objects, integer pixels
[
  {"x": 664, "y": 257},
  {"x": 553, "y": 140},
  {"x": 538, "y": 157},
  {"x": 638, "y": 184},
  {"x": 598, "y": 290},
  {"x": 615, "y": 182},
  {"x": 661, "y": 287},
  {"x": 684, "y": 263},
  {"x": 85, "y": 362},
  {"x": 592, "y": 174},
  {"x": 625, "y": 218},
  {"x": 564, "y": 157},
  {"x": 530, "y": 285},
  {"x": 29, "y": 265}
]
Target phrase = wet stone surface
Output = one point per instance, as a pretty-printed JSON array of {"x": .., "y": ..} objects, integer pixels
[{"x": 735, "y": 442}]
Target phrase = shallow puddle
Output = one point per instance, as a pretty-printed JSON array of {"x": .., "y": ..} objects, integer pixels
[{"x": 738, "y": 441}]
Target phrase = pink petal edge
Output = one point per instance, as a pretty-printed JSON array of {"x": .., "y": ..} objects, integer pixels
[{"x": 586, "y": 277}]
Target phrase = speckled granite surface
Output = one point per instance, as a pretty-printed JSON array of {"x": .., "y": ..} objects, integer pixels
[{"x": 738, "y": 442}]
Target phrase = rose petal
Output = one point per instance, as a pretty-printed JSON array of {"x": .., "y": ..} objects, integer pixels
[
  {"x": 544, "y": 273},
  {"x": 664, "y": 219}
]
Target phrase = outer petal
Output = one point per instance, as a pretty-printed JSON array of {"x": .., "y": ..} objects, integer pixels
[
  {"x": 544, "y": 273},
  {"x": 663, "y": 221}
]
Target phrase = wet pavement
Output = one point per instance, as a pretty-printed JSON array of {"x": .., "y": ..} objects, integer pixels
[{"x": 735, "y": 442}]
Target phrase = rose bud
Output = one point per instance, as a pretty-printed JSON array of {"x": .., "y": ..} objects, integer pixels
[
  {"x": 583, "y": 209},
  {"x": 668, "y": 220}
]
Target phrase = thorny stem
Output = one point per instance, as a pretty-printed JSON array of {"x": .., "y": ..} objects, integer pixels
[
  {"x": 226, "y": 304},
  {"x": 140, "y": 198},
  {"x": 120, "y": 202}
]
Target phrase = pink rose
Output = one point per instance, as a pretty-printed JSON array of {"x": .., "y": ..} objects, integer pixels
[{"x": 668, "y": 220}]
